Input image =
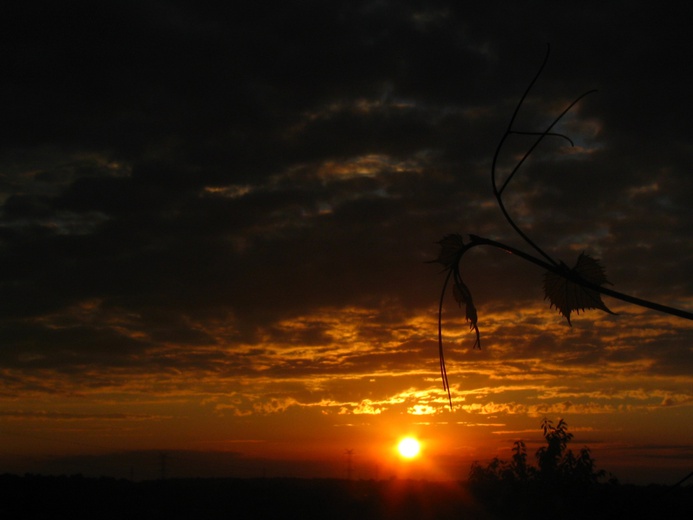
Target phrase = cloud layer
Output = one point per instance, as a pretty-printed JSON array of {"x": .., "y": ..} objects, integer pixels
[{"x": 226, "y": 212}]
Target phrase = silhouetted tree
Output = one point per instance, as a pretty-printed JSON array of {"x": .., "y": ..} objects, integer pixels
[
  {"x": 554, "y": 459},
  {"x": 561, "y": 477},
  {"x": 556, "y": 463},
  {"x": 518, "y": 464}
]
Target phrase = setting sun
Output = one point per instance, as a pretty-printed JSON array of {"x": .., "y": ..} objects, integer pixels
[{"x": 409, "y": 447}]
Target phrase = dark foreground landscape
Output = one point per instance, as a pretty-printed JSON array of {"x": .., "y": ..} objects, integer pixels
[{"x": 78, "y": 497}]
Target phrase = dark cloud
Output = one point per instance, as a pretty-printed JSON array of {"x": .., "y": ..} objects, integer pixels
[{"x": 147, "y": 105}]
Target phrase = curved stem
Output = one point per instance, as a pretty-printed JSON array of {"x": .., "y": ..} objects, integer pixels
[
  {"x": 508, "y": 130},
  {"x": 498, "y": 192},
  {"x": 548, "y": 134},
  {"x": 443, "y": 370},
  {"x": 541, "y": 135},
  {"x": 480, "y": 241}
]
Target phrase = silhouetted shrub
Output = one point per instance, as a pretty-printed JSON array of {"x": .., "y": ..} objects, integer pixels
[{"x": 561, "y": 478}]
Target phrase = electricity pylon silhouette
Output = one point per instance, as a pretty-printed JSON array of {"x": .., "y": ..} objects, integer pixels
[{"x": 349, "y": 469}]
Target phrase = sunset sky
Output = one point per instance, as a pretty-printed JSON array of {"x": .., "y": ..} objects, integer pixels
[{"x": 215, "y": 224}]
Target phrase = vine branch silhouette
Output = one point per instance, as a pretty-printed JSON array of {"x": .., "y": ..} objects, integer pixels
[{"x": 568, "y": 289}]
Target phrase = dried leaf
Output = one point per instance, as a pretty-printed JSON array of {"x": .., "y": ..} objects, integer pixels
[
  {"x": 450, "y": 248},
  {"x": 567, "y": 295},
  {"x": 463, "y": 296}
]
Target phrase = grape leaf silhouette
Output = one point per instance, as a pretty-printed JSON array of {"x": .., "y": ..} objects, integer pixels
[{"x": 568, "y": 295}]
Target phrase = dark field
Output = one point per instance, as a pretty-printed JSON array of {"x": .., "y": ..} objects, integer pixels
[{"x": 77, "y": 497}]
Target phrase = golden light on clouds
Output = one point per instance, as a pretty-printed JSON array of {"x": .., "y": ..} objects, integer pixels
[{"x": 365, "y": 166}]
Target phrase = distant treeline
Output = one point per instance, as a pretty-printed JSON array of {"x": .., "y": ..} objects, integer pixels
[{"x": 77, "y": 497}]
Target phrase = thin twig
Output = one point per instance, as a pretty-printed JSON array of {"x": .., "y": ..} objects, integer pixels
[{"x": 443, "y": 371}]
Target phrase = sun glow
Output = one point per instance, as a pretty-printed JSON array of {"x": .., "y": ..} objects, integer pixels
[{"x": 409, "y": 447}]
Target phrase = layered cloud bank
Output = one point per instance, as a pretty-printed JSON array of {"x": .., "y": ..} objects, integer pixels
[{"x": 211, "y": 217}]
